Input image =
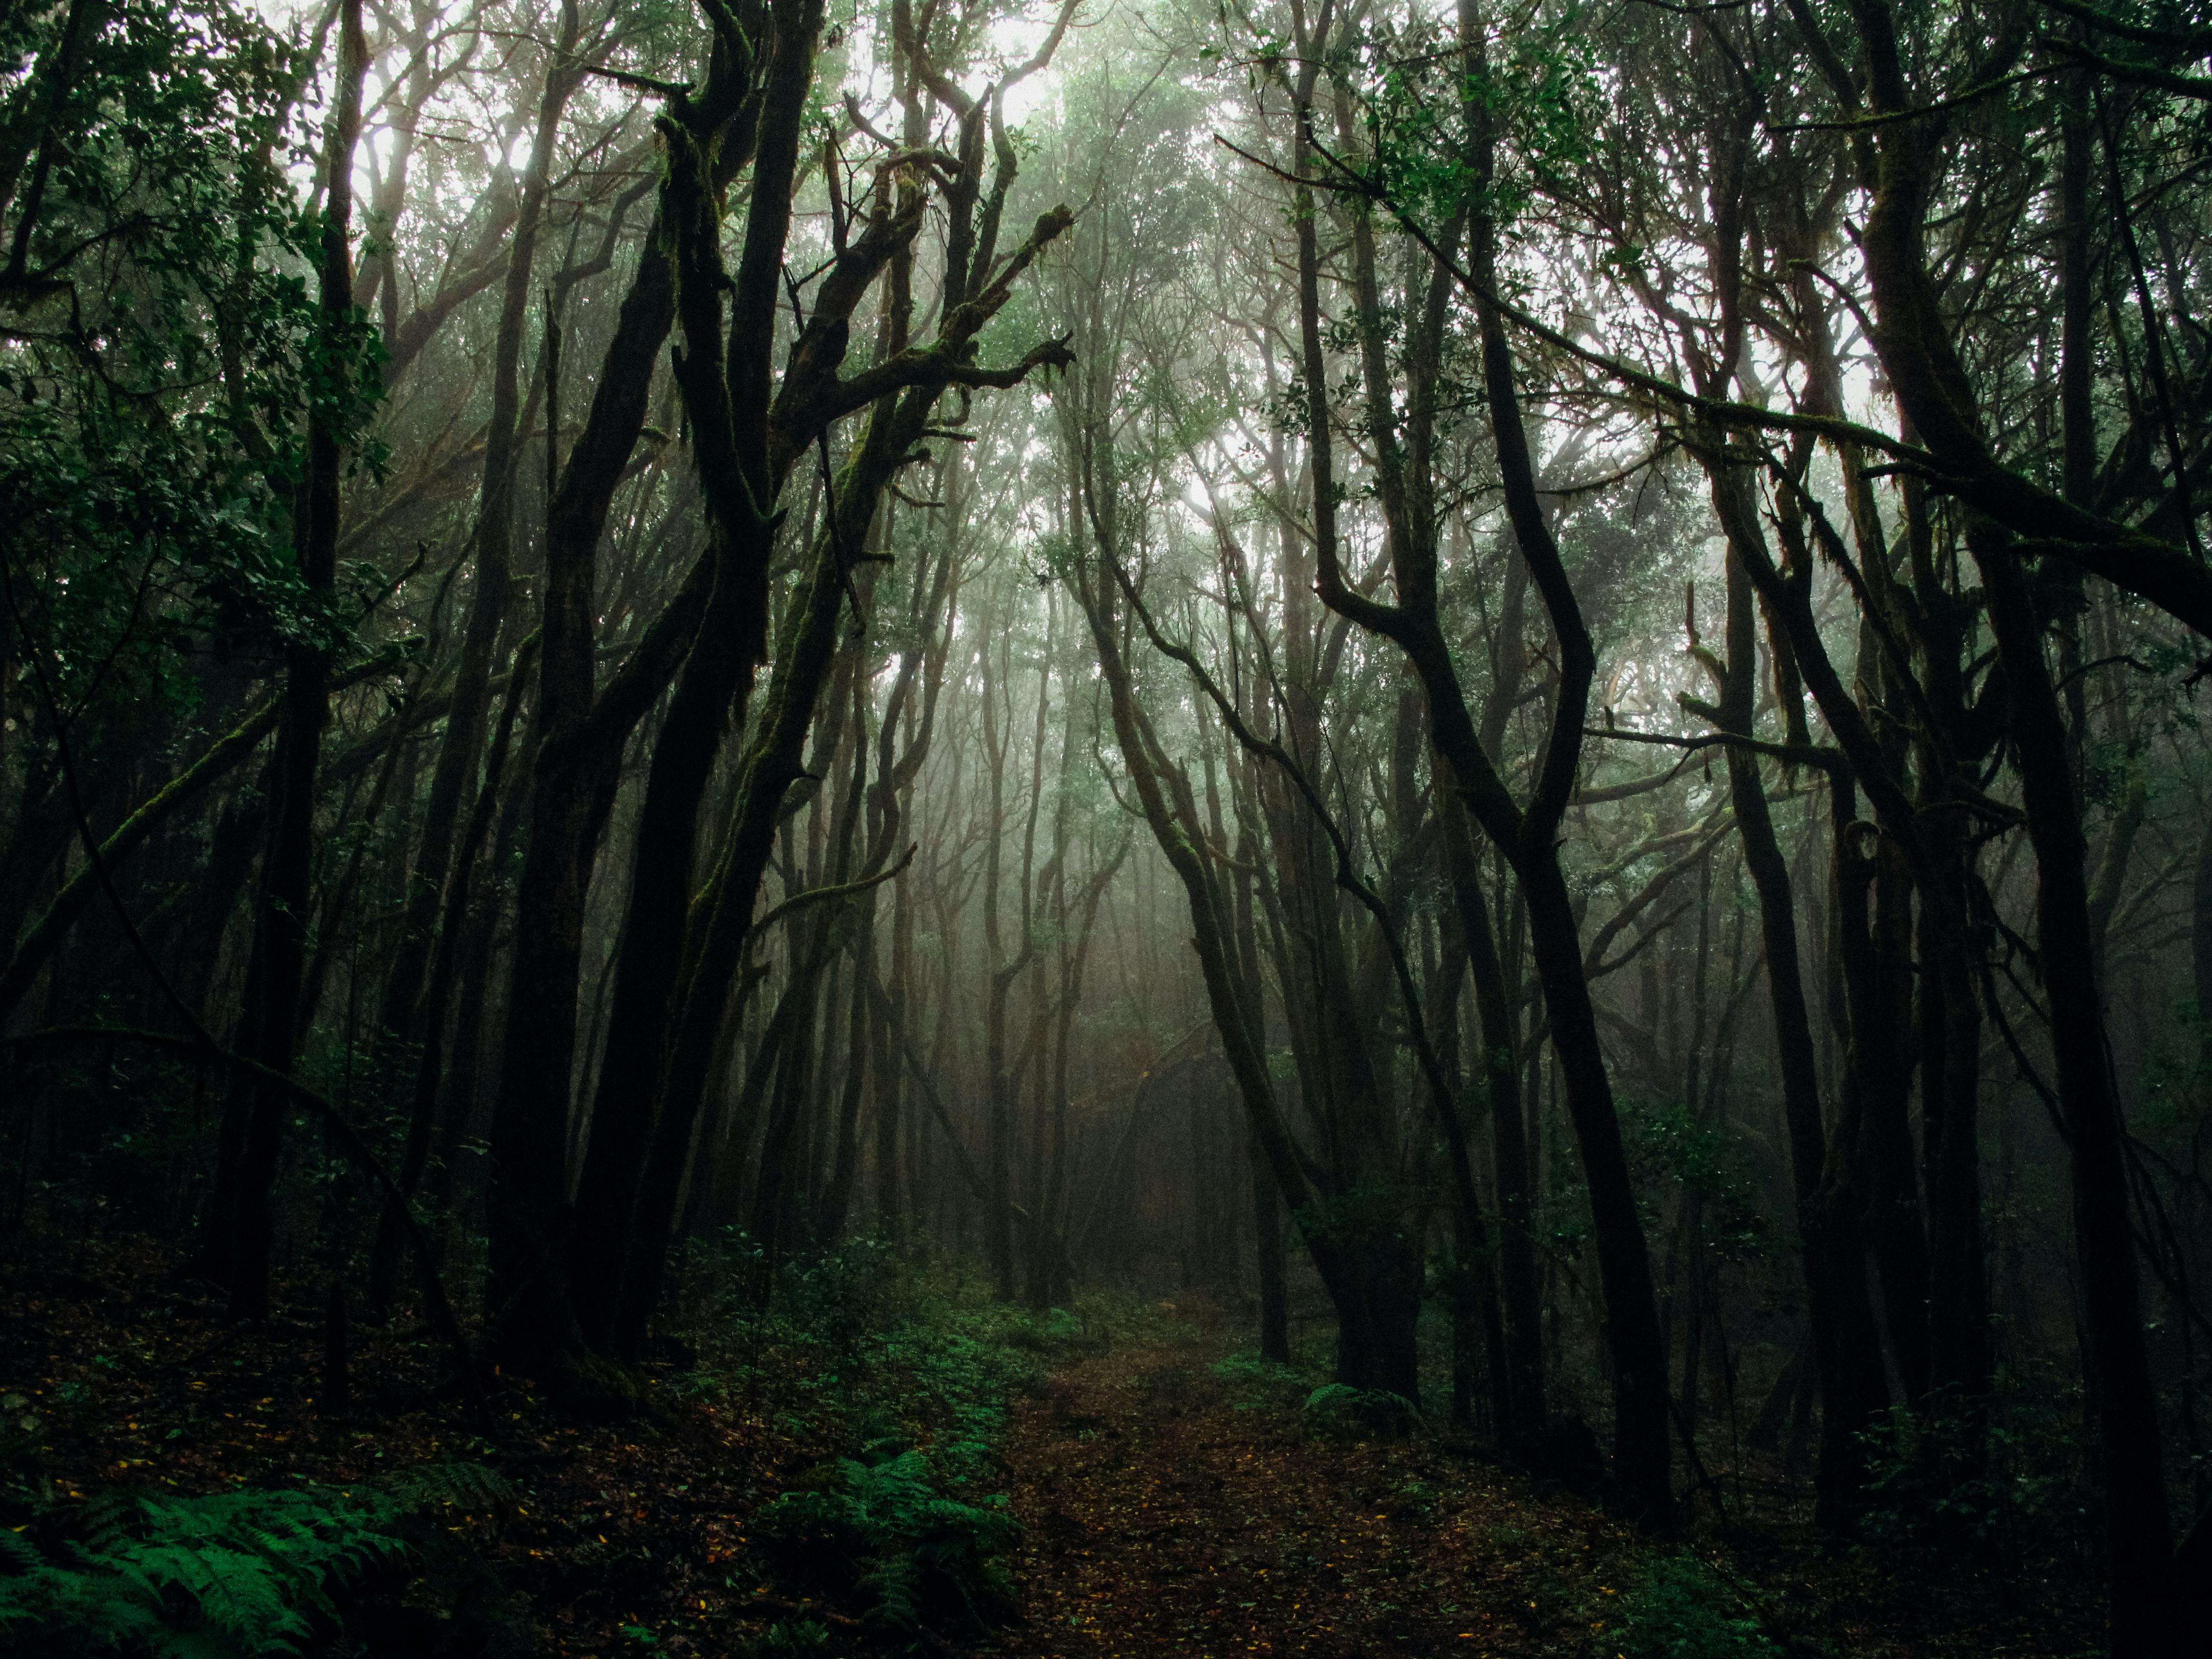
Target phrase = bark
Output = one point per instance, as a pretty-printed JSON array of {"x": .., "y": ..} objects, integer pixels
[
  {"x": 582, "y": 734},
  {"x": 1931, "y": 847},
  {"x": 1846, "y": 1355},
  {"x": 904, "y": 389},
  {"x": 1522, "y": 1422},
  {"x": 1172, "y": 821},
  {"x": 447, "y": 960},
  {"x": 998, "y": 1089},
  {"x": 288, "y": 865},
  {"x": 1642, "y": 1439},
  {"x": 2138, "y": 1540},
  {"x": 2200, "y": 952}
]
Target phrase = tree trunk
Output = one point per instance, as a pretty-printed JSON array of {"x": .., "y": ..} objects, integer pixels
[
  {"x": 1853, "y": 1391},
  {"x": 288, "y": 865},
  {"x": 468, "y": 716},
  {"x": 2138, "y": 1541}
]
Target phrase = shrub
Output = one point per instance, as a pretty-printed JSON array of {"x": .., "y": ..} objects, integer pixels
[
  {"x": 1685, "y": 1610},
  {"x": 838, "y": 1297},
  {"x": 242, "y": 1574},
  {"x": 1339, "y": 1408},
  {"x": 2003, "y": 1484},
  {"x": 916, "y": 1554},
  {"x": 787, "y": 1638}
]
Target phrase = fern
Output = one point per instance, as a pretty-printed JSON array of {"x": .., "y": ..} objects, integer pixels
[
  {"x": 1685, "y": 1610},
  {"x": 237, "y": 1574},
  {"x": 470, "y": 1487},
  {"x": 1340, "y": 1406},
  {"x": 916, "y": 1553},
  {"x": 110, "y": 1519}
]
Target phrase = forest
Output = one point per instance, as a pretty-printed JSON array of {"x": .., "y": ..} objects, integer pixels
[{"x": 1105, "y": 827}]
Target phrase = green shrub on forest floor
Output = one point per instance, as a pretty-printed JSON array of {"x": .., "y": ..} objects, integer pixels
[
  {"x": 1263, "y": 1381},
  {"x": 1684, "y": 1609},
  {"x": 1340, "y": 1409},
  {"x": 918, "y": 1556},
  {"x": 861, "y": 1344},
  {"x": 788, "y": 1638},
  {"x": 238, "y": 1574},
  {"x": 2001, "y": 1485},
  {"x": 245, "y": 1572},
  {"x": 912, "y": 1367}
]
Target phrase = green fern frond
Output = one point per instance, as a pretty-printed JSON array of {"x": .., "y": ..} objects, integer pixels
[
  {"x": 110, "y": 1519},
  {"x": 894, "y": 1588},
  {"x": 916, "y": 1553},
  {"x": 237, "y": 1574},
  {"x": 470, "y": 1487},
  {"x": 17, "y": 1553}
]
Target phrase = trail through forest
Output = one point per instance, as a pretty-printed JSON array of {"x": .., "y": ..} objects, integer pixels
[
  {"x": 1166, "y": 1510},
  {"x": 1175, "y": 1501}
]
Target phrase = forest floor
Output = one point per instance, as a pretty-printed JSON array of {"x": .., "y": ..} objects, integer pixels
[
  {"x": 1172, "y": 1506},
  {"x": 1177, "y": 1503},
  {"x": 1172, "y": 1497}
]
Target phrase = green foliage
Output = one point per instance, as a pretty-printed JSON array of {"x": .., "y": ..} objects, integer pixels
[
  {"x": 23, "y": 1488},
  {"x": 840, "y": 1297},
  {"x": 916, "y": 1553},
  {"x": 1711, "y": 1160},
  {"x": 164, "y": 352},
  {"x": 1684, "y": 1609},
  {"x": 1950, "y": 1487},
  {"x": 256, "y": 1572},
  {"x": 1337, "y": 1407},
  {"x": 1538, "y": 92},
  {"x": 1263, "y": 1376},
  {"x": 470, "y": 1488},
  {"x": 856, "y": 1344},
  {"x": 247, "y": 1572},
  {"x": 788, "y": 1638},
  {"x": 1373, "y": 1212}
]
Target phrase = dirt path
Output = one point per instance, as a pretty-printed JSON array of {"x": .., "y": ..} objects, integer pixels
[{"x": 1168, "y": 1509}]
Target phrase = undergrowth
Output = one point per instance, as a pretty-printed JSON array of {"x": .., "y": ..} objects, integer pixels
[
  {"x": 859, "y": 1345},
  {"x": 1684, "y": 1609},
  {"x": 1262, "y": 1382},
  {"x": 901, "y": 1374},
  {"x": 916, "y": 1555},
  {"x": 238, "y": 1574},
  {"x": 1949, "y": 1488}
]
